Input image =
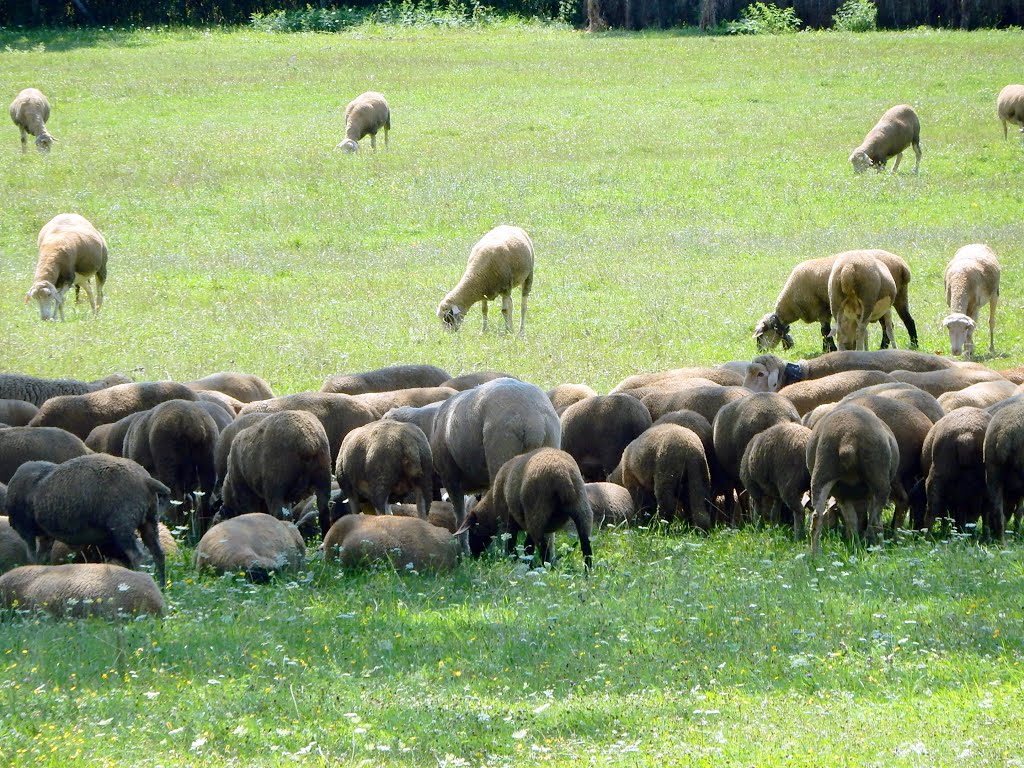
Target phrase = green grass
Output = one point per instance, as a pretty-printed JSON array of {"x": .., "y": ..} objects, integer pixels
[{"x": 669, "y": 182}]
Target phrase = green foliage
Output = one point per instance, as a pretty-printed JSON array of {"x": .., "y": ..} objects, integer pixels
[
  {"x": 407, "y": 13},
  {"x": 764, "y": 19},
  {"x": 309, "y": 19},
  {"x": 856, "y": 16}
]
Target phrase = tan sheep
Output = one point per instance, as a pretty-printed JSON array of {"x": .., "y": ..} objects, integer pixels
[
  {"x": 404, "y": 543},
  {"x": 898, "y": 129},
  {"x": 808, "y": 395},
  {"x": 71, "y": 252},
  {"x": 972, "y": 281},
  {"x": 1009, "y": 105},
  {"x": 948, "y": 380},
  {"x": 81, "y": 589},
  {"x": 501, "y": 260},
  {"x": 666, "y": 467},
  {"x": 860, "y": 291},
  {"x": 641, "y": 384},
  {"x": 769, "y": 373},
  {"x": 386, "y": 379},
  {"x": 255, "y": 544},
  {"x": 980, "y": 395},
  {"x": 384, "y": 461},
  {"x": 30, "y": 110},
  {"x": 16, "y": 413},
  {"x": 245, "y": 387},
  {"x": 365, "y": 115},
  {"x": 564, "y": 395},
  {"x": 415, "y": 397},
  {"x": 775, "y": 474}
]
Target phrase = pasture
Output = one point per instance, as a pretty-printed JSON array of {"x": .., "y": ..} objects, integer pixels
[{"x": 669, "y": 183}]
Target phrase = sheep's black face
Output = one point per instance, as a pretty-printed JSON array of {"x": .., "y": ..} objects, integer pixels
[{"x": 452, "y": 318}]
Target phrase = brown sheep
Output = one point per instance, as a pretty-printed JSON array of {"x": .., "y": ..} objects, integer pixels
[
  {"x": 953, "y": 461},
  {"x": 383, "y": 461},
  {"x": 596, "y": 430},
  {"x": 80, "y": 590},
  {"x": 255, "y": 544},
  {"x": 16, "y": 413},
  {"x": 774, "y": 472},
  {"x": 21, "y": 444},
  {"x": 564, "y": 395},
  {"x": 245, "y": 387},
  {"x": 13, "y": 549},
  {"x": 386, "y": 379},
  {"x": 404, "y": 543},
  {"x": 666, "y": 468}
]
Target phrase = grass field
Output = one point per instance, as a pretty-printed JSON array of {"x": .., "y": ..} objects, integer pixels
[{"x": 669, "y": 182}]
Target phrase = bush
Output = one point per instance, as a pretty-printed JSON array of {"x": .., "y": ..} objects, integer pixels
[
  {"x": 761, "y": 19},
  {"x": 856, "y": 16},
  {"x": 309, "y": 20}
]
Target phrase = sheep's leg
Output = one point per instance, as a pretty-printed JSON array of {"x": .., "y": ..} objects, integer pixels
[
  {"x": 458, "y": 500},
  {"x": 828, "y": 344},
  {"x": 546, "y": 548},
  {"x": 44, "y": 544},
  {"x": 887, "y": 326},
  {"x": 151, "y": 538},
  {"x": 373, "y": 141},
  {"x": 917, "y": 155},
  {"x": 88, "y": 293},
  {"x": 483, "y": 311},
  {"x": 506, "y": 310},
  {"x": 903, "y": 310},
  {"x": 820, "y": 497},
  {"x": 899, "y": 156},
  {"x": 24, "y": 140},
  {"x": 425, "y": 493},
  {"x": 992, "y": 323},
  {"x": 522, "y": 313}
]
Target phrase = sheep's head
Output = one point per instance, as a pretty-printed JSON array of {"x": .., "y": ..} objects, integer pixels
[
  {"x": 764, "y": 374},
  {"x": 770, "y": 331},
  {"x": 450, "y": 315},
  {"x": 351, "y": 146},
  {"x": 49, "y": 299},
  {"x": 961, "y": 333},
  {"x": 44, "y": 141},
  {"x": 860, "y": 161}
]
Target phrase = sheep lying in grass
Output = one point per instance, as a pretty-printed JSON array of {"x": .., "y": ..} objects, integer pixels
[
  {"x": 1009, "y": 106},
  {"x": 71, "y": 252},
  {"x": 360, "y": 541},
  {"x": 860, "y": 291},
  {"x": 30, "y": 110},
  {"x": 898, "y": 129},
  {"x": 501, "y": 260},
  {"x": 385, "y": 460},
  {"x": 972, "y": 281},
  {"x": 386, "y": 379},
  {"x": 32, "y": 389},
  {"x": 80, "y": 590},
  {"x": 255, "y": 544},
  {"x": 365, "y": 115}
]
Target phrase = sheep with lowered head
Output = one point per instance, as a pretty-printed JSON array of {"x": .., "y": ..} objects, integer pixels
[
  {"x": 501, "y": 260},
  {"x": 596, "y": 430},
  {"x": 71, "y": 252},
  {"x": 564, "y": 395},
  {"x": 770, "y": 373},
  {"x": 774, "y": 472},
  {"x": 385, "y": 460},
  {"x": 860, "y": 291},
  {"x": 1009, "y": 106},
  {"x": 30, "y": 110},
  {"x": 972, "y": 281},
  {"x": 32, "y": 389},
  {"x": 81, "y": 589},
  {"x": 898, "y": 129},
  {"x": 365, "y": 115},
  {"x": 255, "y": 544},
  {"x": 1004, "y": 465},
  {"x": 953, "y": 460}
]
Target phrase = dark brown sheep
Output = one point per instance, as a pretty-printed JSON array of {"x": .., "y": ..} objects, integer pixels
[
  {"x": 385, "y": 461},
  {"x": 595, "y": 431},
  {"x": 21, "y": 444}
]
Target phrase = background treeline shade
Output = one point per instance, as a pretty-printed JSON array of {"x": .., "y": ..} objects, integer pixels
[{"x": 628, "y": 14}]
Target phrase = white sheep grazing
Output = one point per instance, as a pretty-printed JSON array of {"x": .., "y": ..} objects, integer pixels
[
  {"x": 498, "y": 263},
  {"x": 860, "y": 291},
  {"x": 30, "y": 110},
  {"x": 898, "y": 129},
  {"x": 365, "y": 115},
  {"x": 972, "y": 281},
  {"x": 71, "y": 252},
  {"x": 1010, "y": 106}
]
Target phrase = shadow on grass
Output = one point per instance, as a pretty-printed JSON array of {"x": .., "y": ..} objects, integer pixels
[{"x": 23, "y": 39}]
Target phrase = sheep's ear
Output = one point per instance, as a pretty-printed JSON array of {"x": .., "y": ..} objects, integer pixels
[
  {"x": 773, "y": 381},
  {"x": 466, "y": 525}
]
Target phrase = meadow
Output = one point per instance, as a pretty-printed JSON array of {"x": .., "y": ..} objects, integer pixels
[{"x": 669, "y": 183}]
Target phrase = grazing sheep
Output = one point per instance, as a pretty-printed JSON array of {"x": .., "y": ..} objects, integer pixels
[
  {"x": 939, "y": 382},
  {"x": 339, "y": 414},
  {"x": 804, "y": 297},
  {"x": 611, "y": 504},
  {"x": 980, "y": 395},
  {"x": 596, "y": 430},
  {"x": 415, "y": 397},
  {"x": 365, "y": 115},
  {"x": 666, "y": 468},
  {"x": 953, "y": 461},
  {"x": 480, "y": 429},
  {"x": 386, "y": 379},
  {"x": 475, "y": 379},
  {"x": 501, "y": 260},
  {"x": 30, "y": 110},
  {"x": 223, "y": 449},
  {"x": 706, "y": 400},
  {"x": 245, "y": 387},
  {"x": 860, "y": 291},
  {"x": 385, "y": 460},
  {"x": 898, "y": 129},
  {"x": 93, "y": 499},
  {"x": 676, "y": 379},
  {"x": 255, "y": 544},
  {"x": 768, "y": 373},
  {"x": 404, "y": 543},
  {"x": 564, "y": 395},
  {"x": 774, "y": 472},
  {"x": 808, "y": 395},
  {"x": 695, "y": 422},
  {"x": 109, "y": 438},
  {"x": 81, "y": 590},
  {"x": 222, "y": 413},
  {"x": 1009, "y": 106},
  {"x": 21, "y": 444},
  {"x": 15, "y": 386},
  {"x": 972, "y": 281},
  {"x": 175, "y": 442},
  {"x": 13, "y": 549},
  {"x": 79, "y": 414},
  {"x": 16, "y": 413},
  {"x": 71, "y": 252},
  {"x": 905, "y": 393},
  {"x": 1004, "y": 465},
  {"x": 538, "y": 493},
  {"x": 276, "y": 463},
  {"x": 852, "y": 456}
]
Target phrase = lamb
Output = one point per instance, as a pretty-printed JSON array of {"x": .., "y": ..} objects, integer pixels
[
  {"x": 706, "y": 400},
  {"x": 480, "y": 429},
  {"x": 365, "y": 115},
  {"x": 953, "y": 460},
  {"x": 852, "y": 456},
  {"x": 79, "y": 414},
  {"x": 245, "y": 387},
  {"x": 596, "y": 430},
  {"x": 30, "y": 110},
  {"x": 21, "y": 444},
  {"x": 81, "y": 590},
  {"x": 277, "y": 462},
  {"x": 1009, "y": 106},
  {"x": 611, "y": 504},
  {"x": 93, "y": 499},
  {"x": 774, "y": 472},
  {"x": 860, "y": 290},
  {"x": 71, "y": 252},
  {"x": 501, "y": 260},
  {"x": 564, "y": 395},
  {"x": 949, "y": 380},
  {"x": 475, "y": 379},
  {"x": 15, "y": 386},
  {"x": 255, "y": 544},
  {"x": 13, "y": 550},
  {"x": 538, "y": 492},
  {"x": 175, "y": 442},
  {"x": 898, "y": 129},
  {"x": 972, "y": 281},
  {"x": 980, "y": 395},
  {"x": 358, "y": 541},
  {"x": 386, "y": 379},
  {"x": 16, "y": 413},
  {"x": 804, "y": 297},
  {"x": 808, "y": 395},
  {"x": 416, "y": 397},
  {"x": 385, "y": 460},
  {"x": 666, "y": 468},
  {"x": 1004, "y": 465},
  {"x": 768, "y": 373}
]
